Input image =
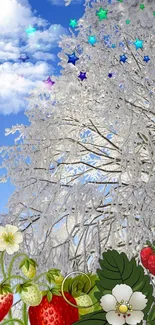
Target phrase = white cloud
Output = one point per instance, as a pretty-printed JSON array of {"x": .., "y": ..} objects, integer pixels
[
  {"x": 15, "y": 18},
  {"x": 62, "y": 2}
]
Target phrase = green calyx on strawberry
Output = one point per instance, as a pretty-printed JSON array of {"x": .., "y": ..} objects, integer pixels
[
  {"x": 147, "y": 255},
  {"x": 54, "y": 276},
  {"x": 6, "y": 300},
  {"x": 54, "y": 310},
  {"x": 28, "y": 267},
  {"x": 30, "y": 293}
]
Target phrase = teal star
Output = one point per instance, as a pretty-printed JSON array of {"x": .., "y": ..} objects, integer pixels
[
  {"x": 139, "y": 44},
  {"x": 73, "y": 23},
  {"x": 142, "y": 6},
  {"x": 92, "y": 40},
  {"x": 102, "y": 14},
  {"x": 127, "y": 21},
  {"x": 30, "y": 30}
]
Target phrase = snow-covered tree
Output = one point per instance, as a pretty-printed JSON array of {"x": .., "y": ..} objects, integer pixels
[{"x": 84, "y": 167}]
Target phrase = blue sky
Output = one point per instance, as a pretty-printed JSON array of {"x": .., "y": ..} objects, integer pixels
[{"x": 51, "y": 19}]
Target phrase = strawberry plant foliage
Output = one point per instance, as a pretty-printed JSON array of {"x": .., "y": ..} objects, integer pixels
[
  {"x": 118, "y": 269},
  {"x": 95, "y": 318}
]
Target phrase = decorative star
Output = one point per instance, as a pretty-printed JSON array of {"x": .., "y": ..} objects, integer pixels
[
  {"x": 49, "y": 82},
  {"x": 102, "y": 14},
  {"x": 127, "y": 21},
  {"x": 30, "y": 30},
  {"x": 82, "y": 75},
  {"x": 92, "y": 40},
  {"x": 141, "y": 6},
  {"x": 73, "y": 23},
  {"x": 72, "y": 58},
  {"x": 123, "y": 58},
  {"x": 110, "y": 75},
  {"x": 146, "y": 58},
  {"x": 120, "y": 1},
  {"x": 113, "y": 46},
  {"x": 23, "y": 57},
  {"x": 154, "y": 13},
  {"x": 138, "y": 43}
]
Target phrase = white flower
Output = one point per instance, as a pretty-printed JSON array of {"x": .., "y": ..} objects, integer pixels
[
  {"x": 124, "y": 306},
  {"x": 10, "y": 238}
]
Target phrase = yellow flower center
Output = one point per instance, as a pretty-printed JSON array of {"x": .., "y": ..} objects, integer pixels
[
  {"x": 9, "y": 238},
  {"x": 123, "y": 309}
]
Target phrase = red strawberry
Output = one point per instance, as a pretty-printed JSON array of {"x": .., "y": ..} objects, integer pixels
[
  {"x": 145, "y": 254},
  {"x": 6, "y": 301},
  {"x": 151, "y": 263},
  {"x": 55, "y": 312}
]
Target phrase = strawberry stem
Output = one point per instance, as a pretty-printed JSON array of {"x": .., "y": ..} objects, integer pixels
[
  {"x": 12, "y": 261},
  {"x": 13, "y": 277},
  {"x": 25, "y": 318},
  {"x": 39, "y": 276},
  {"x": 2, "y": 264}
]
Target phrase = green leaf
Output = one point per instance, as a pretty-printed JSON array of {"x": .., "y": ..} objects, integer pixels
[
  {"x": 56, "y": 293},
  {"x": 27, "y": 264},
  {"x": 95, "y": 318},
  {"x": 94, "y": 300},
  {"x": 44, "y": 292},
  {"x": 49, "y": 296},
  {"x": 151, "y": 316},
  {"x": 117, "y": 269},
  {"x": 22, "y": 263},
  {"x": 48, "y": 278}
]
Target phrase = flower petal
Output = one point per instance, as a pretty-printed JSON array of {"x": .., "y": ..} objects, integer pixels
[
  {"x": 135, "y": 318},
  {"x": 114, "y": 319},
  {"x": 122, "y": 292},
  {"x": 18, "y": 237},
  {"x": 2, "y": 246},
  {"x": 2, "y": 230},
  {"x": 138, "y": 301},
  {"x": 108, "y": 302},
  {"x": 10, "y": 249},
  {"x": 10, "y": 228}
]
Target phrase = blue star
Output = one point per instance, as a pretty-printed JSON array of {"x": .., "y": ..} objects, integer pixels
[
  {"x": 139, "y": 44},
  {"x": 123, "y": 58},
  {"x": 82, "y": 75},
  {"x": 72, "y": 58},
  {"x": 110, "y": 75},
  {"x": 92, "y": 40},
  {"x": 146, "y": 58},
  {"x": 113, "y": 46}
]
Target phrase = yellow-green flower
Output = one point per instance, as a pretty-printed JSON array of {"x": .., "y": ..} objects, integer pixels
[{"x": 10, "y": 238}]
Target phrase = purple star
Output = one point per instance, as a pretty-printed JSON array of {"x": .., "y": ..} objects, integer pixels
[
  {"x": 82, "y": 75},
  {"x": 72, "y": 58},
  {"x": 23, "y": 57},
  {"x": 49, "y": 82}
]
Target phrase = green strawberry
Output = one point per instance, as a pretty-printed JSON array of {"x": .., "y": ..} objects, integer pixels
[
  {"x": 29, "y": 294},
  {"x": 28, "y": 267},
  {"x": 54, "y": 275},
  {"x": 84, "y": 300}
]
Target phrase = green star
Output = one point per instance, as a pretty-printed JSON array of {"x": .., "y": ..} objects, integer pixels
[
  {"x": 102, "y": 14},
  {"x": 127, "y": 21},
  {"x": 120, "y": 0},
  {"x": 142, "y": 6},
  {"x": 154, "y": 13},
  {"x": 73, "y": 23}
]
